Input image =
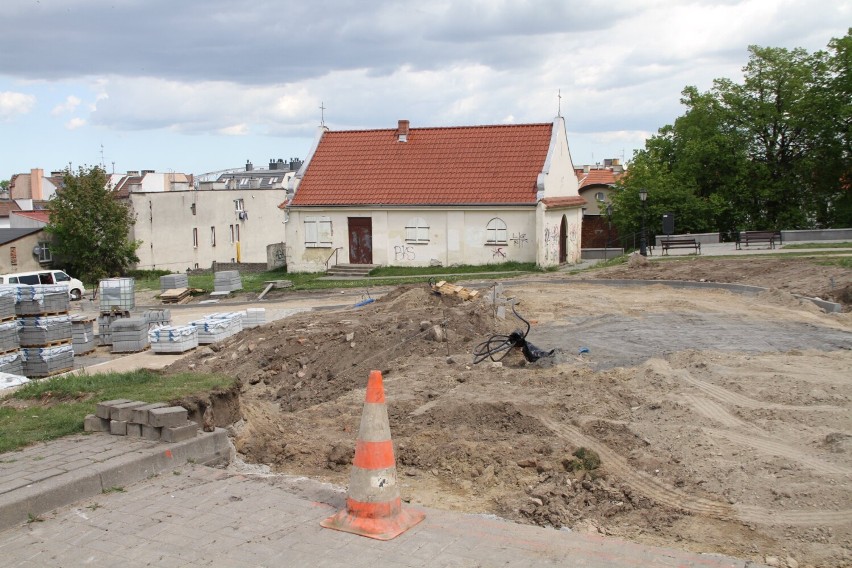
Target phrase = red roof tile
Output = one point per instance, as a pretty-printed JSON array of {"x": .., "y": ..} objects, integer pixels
[
  {"x": 596, "y": 177},
  {"x": 7, "y": 207},
  {"x": 40, "y": 215},
  {"x": 436, "y": 166},
  {"x": 562, "y": 202}
]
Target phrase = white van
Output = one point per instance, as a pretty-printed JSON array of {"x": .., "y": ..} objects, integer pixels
[{"x": 75, "y": 287}]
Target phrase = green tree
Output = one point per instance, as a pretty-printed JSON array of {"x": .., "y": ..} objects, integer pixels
[
  {"x": 4, "y": 184},
  {"x": 90, "y": 227},
  {"x": 770, "y": 152}
]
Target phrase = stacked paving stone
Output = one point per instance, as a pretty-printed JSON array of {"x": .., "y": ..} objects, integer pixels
[
  {"x": 44, "y": 330},
  {"x": 129, "y": 335},
  {"x": 9, "y": 340},
  {"x": 173, "y": 339},
  {"x": 82, "y": 334},
  {"x": 253, "y": 317},
  {"x": 47, "y": 361},
  {"x": 173, "y": 282},
  {"x": 227, "y": 281},
  {"x": 8, "y": 300},
  {"x": 139, "y": 419},
  {"x": 216, "y": 327},
  {"x": 12, "y": 363},
  {"x": 117, "y": 296},
  {"x": 42, "y": 299},
  {"x": 157, "y": 317}
]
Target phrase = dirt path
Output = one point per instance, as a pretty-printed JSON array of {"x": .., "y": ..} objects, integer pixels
[{"x": 721, "y": 422}]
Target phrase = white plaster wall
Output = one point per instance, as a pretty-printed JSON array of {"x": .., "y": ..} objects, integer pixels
[
  {"x": 456, "y": 236},
  {"x": 164, "y": 224},
  {"x": 558, "y": 178},
  {"x": 550, "y": 222}
]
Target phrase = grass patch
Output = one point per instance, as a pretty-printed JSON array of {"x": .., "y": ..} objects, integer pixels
[
  {"x": 391, "y": 276},
  {"x": 817, "y": 245},
  {"x": 56, "y": 407},
  {"x": 841, "y": 261}
]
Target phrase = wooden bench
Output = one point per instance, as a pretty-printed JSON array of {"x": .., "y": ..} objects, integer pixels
[
  {"x": 680, "y": 242},
  {"x": 758, "y": 237}
]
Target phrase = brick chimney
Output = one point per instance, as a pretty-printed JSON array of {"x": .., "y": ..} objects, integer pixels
[
  {"x": 402, "y": 131},
  {"x": 36, "y": 191}
]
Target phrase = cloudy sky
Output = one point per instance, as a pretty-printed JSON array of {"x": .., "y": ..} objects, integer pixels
[{"x": 202, "y": 85}]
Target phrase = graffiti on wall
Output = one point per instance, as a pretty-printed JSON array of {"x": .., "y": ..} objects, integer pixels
[
  {"x": 519, "y": 239},
  {"x": 402, "y": 253},
  {"x": 573, "y": 234},
  {"x": 498, "y": 253},
  {"x": 551, "y": 244}
]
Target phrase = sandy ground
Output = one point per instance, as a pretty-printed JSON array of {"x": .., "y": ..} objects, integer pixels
[{"x": 698, "y": 419}]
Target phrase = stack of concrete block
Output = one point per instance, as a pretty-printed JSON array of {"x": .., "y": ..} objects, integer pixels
[
  {"x": 8, "y": 300},
  {"x": 157, "y": 317},
  {"x": 253, "y": 317},
  {"x": 44, "y": 331},
  {"x": 82, "y": 334},
  {"x": 129, "y": 335},
  {"x": 173, "y": 282},
  {"x": 12, "y": 363},
  {"x": 227, "y": 281},
  {"x": 47, "y": 361},
  {"x": 42, "y": 299},
  {"x": 216, "y": 327},
  {"x": 9, "y": 340},
  {"x": 105, "y": 322},
  {"x": 117, "y": 295},
  {"x": 173, "y": 339},
  {"x": 139, "y": 419}
]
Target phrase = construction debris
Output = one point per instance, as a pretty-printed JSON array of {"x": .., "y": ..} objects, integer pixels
[{"x": 445, "y": 288}]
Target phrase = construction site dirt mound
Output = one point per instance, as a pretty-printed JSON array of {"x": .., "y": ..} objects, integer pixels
[{"x": 699, "y": 419}]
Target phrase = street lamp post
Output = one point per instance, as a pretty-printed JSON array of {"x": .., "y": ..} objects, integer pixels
[{"x": 643, "y": 243}]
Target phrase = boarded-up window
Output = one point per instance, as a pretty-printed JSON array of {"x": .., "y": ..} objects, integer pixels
[
  {"x": 13, "y": 254},
  {"x": 318, "y": 232},
  {"x": 495, "y": 232},
  {"x": 417, "y": 231}
]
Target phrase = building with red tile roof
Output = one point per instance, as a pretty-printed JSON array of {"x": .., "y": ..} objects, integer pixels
[{"x": 449, "y": 195}]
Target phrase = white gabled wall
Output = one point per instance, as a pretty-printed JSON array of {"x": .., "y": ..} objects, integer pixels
[
  {"x": 558, "y": 178},
  {"x": 456, "y": 236}
]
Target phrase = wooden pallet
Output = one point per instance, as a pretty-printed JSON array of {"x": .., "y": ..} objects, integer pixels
[
  {"x": 444, "y": 288},
  {"x": 176, "y": 296},
  {"x": 8, "y": 318},
  {"x": 53, "y": 374},
  {"x": 56, "y": 343},
  {"x": 43, "y": 314}
]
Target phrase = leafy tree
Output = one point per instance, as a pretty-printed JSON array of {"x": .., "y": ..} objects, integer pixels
[
  {"x": 90, "y": 227},
  {"x": 4, "y": 184},
  {"x": 771, "y": 152}
]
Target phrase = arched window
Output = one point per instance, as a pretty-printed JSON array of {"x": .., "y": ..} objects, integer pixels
[
  {"x": 495, "y": 232},
  {"x": 417, "y": 231}
]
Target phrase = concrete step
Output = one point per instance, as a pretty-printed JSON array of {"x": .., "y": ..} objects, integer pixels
[{"x": 351, "y": 270}]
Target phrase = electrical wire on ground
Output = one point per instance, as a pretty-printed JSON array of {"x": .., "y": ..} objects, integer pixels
[{"x": 498, "y": 346}]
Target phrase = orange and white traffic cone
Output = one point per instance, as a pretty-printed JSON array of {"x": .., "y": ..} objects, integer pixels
[{"x": 373, "y": 507}]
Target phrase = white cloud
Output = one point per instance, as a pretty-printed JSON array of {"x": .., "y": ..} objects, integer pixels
[
  {"x": 70, "y": 104},
  {"x": 75, "y": 123},
  {"x": 235, "y": 130},
  {"x": 12, "y": 104}
]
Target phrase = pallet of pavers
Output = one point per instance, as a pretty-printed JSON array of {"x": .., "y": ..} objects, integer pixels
[
  {"x": 157, "y": 317},
  {"x": 46, "y": 361},
  {"x": 253, "y": 317},
  {"x": 216, "y": 327},
  {"x": 12, "y": 363},
  {"x": 227, "y": 281},
  {"x": 129, "y": 335},
  {"x": 173, "y": 282},
  {"x": 173, "y": 339},
  {"x": 42, "y": 299},
  {"x": 44, "y": 331},
  {"x": 105, "y": 321},
  {"x": 138, "y": 419},
  {"x": 8, "y": 299},
  {"x": 9, "y": 340},
  {"x": 82, "y": 334}
]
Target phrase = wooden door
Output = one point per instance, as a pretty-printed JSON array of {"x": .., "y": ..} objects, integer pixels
[
  {"x": 563, "y": 241},
  {"x": 360, "y": 240}
]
